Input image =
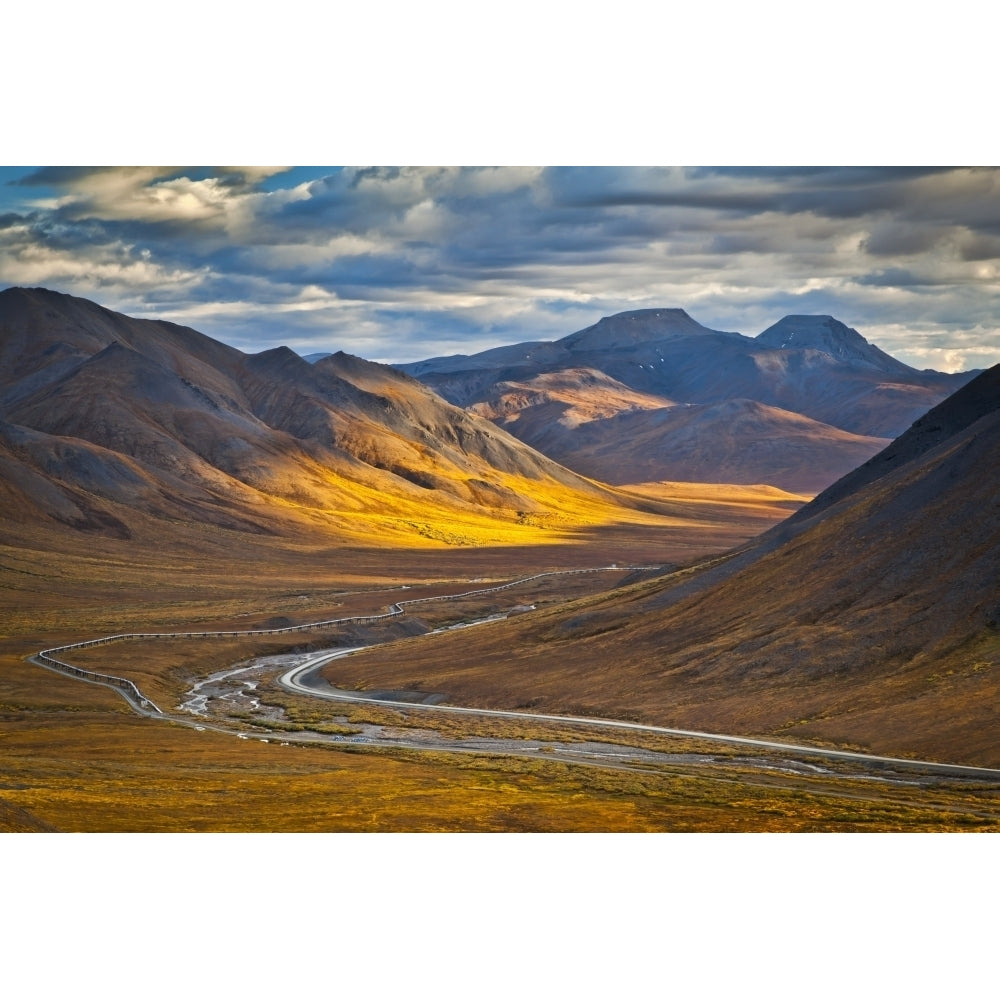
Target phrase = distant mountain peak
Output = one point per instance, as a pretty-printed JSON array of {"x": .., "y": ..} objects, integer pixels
[
  {"x": 637, "y": 326},
  {"x": 278, "y": 359},
  {"x": 829, "y": 335},
  {"x": 642, "y": 315},
  {"x": 810, "y": 331}
]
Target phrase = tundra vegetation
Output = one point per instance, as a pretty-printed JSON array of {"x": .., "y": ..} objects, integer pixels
[
  {"x": 154, "y": 480},
  {"x": 77, "y": 758}
]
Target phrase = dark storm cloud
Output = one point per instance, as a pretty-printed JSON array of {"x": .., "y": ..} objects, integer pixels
[
  {"x": 893, "y": 277},
  {"x": 817, "y": 176},
  {"x": 739, "y": 202},
  {"x": 900, "y": 239},
  {"x": 980, "y": 248},
  {"x": 837, "y": 193}
]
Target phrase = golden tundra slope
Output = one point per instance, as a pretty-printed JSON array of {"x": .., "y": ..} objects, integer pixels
[{"x": 870, "y": 617}]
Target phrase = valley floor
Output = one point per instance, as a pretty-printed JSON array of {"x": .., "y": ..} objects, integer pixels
[{"x": 77, "y": 758}]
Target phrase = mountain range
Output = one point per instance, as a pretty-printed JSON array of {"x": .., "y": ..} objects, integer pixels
[
  {"x": 653, "y": 395},
  {"x": 105, "y": 419}
]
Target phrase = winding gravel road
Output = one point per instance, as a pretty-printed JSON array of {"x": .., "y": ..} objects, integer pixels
[
  {"x": 298, "y": 680},
  {"x": 304, "y": 679}
]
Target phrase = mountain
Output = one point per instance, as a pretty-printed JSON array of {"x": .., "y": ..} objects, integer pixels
[
  {"x": 869, "y": 617},
  {"x": 629, "y": 347},
  {"x": 829, "y": 335},
  {"x": 107, "y": 421},
  {"x": 637, "y": 327},
  {"x": 744, "y": 441},
  {"x": 856, "y": 397},
  {"x": 591, "y": 423},
  {"x": 540, "y": 410}
]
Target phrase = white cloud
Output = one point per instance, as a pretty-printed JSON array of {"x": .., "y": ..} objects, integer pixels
[
  {"x": 316, "y": 255},
  {"x": 160, "y": 194},
  {"x": 115, "y": 269}
]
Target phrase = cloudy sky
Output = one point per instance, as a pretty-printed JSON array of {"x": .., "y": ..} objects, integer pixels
[{"x": 398, "y": 264}]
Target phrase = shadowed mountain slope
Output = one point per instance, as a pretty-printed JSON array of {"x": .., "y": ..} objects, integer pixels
[
  {"x": 829, "y": 335},
  {"x": 812, "y": 366},
  {"x": 871, "y": 617}
]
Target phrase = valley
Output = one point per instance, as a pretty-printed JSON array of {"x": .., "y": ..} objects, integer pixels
[
  {"x": 688, "y": 780},
  {"x": 77, "y": 757},
  {"x": 798, "y": 631}
]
